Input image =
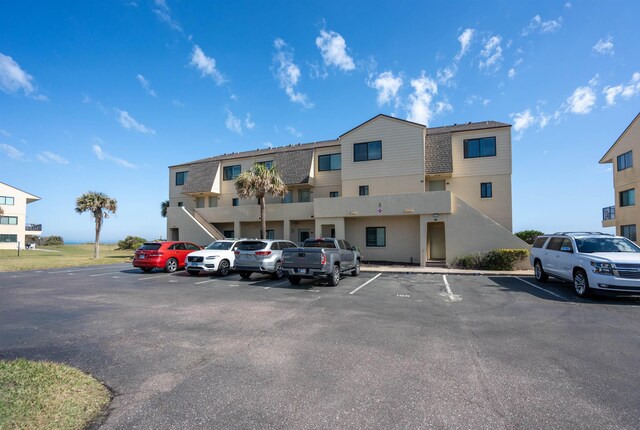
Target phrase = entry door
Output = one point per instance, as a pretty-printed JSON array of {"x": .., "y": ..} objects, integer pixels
[
  {"x": 304, "y": 234},
  {"x": 175, "y": 234},
  {"x": 436, "y": 241}
]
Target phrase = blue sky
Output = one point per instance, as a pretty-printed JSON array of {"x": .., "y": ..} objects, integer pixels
[{"x": 106, "y": 95}]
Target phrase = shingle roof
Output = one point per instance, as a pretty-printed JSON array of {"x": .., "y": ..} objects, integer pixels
[
  {"x": 294, "y": 167},
  {"x": 470, "y": 126},
  {"x": 200, "y": 178},
  {"x": 437, "y": 154}
]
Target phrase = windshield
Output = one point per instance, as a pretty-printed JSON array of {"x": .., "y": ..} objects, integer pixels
[
  {"x": 219, "y": 245},
  {"x": 251, "y": 246},
  {"x": 606, "y": 244}
]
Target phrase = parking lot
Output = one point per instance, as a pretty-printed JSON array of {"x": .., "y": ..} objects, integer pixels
[{"x": 382, "y": 350}]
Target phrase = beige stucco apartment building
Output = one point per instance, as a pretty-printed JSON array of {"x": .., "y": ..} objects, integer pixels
[
  {"x": 13, "y": 225},
  {"x": 399, "y": 191},
  {"x": 625, "y": 214}
]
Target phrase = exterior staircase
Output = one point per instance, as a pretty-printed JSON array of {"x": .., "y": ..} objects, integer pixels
[{"x": 214, "y": 232}]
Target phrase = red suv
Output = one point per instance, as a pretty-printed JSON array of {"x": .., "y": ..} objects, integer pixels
[{"x": 169, "y": 256}]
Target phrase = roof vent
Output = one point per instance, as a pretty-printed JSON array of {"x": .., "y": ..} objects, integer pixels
[
  {"x": 469, "y": 123},
  {"x": 455, "y": 124}
]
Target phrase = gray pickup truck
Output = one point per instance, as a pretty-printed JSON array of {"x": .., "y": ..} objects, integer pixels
[{"x": 321, "y": 258}]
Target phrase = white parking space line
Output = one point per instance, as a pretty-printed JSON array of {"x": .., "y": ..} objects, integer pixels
[
  {"x": 154, "y": 277},
  {"x": 543, "y": 289},
  {"x": 79, "y": 270},
  {"x": 104, "y": 274},
  {"x": 278, "y": 284},
  {"x": 452, "y": 297},
  {"x": 204, "y": 282},
  {"x": 366, "y": 283}
]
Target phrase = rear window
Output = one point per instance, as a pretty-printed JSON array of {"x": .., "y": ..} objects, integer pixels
[
  {"x": 539, "y": 242},
  {"x": 150, "y": 246},
  {"x": 319, "y": 243},
  {"x": 253, "y": 245}
]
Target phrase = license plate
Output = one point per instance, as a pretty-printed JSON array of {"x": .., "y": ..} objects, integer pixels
[
  {"x": 193, "y": 263},
  {"x": 141, "y": 256}
]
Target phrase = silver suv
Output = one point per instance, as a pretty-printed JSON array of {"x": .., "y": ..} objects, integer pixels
[
  {"x": 594, "y": 262},
  {"x": 260, "y": 255}
]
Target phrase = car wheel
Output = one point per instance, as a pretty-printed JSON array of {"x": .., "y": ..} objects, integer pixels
[
  {"x": 294, "y": 280},
  {"x": 223, "y": 268},
  {"x": 539, "y": 272},
  {"x": 356, "y": 270},
  {"x": 146, "y": 269},
  {"x": 334, "y": 277},
  {"x": 279, "y": 273},
  {"x": 193, "y": 272},
  {"x": 581, "y": 283},
  {"x": 245, "y": 275},
  {"x": 171, "y": 265}
]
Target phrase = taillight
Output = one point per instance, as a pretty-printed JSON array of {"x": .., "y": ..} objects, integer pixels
[
  {"x": 236, "y": 252},
  {"x": 261, "y": 253},
  {"x": 155, "y": 254},
  {"x": 323, "y": 260}
]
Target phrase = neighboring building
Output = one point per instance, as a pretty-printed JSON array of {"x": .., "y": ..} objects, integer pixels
[
  {"x": 13, "y": 226},
  {"x": 396, "y": 189},
  {"x": 625, "y": 214}
]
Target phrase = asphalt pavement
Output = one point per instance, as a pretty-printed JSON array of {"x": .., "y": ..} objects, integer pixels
[{"x": 385, "y": 350}]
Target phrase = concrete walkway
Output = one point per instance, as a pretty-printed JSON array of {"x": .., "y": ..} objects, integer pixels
[{"x": 442, "y": 270}]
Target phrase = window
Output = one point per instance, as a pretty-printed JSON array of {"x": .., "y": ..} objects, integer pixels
[
  {"x": 363, "y": 190},
  {"x": 213, "y": 201},
  {"x": 628, "y": 231},
  {"x": 628, "y": 197},
  {"x": 625, "y": 160},
  {"x": 376, "y": 236},
  {"x": 486, "y": 190},
  {"x": 483, "y": 147},
  {"x": 304, "y": 196},
  {"x": 181, "y": 177},
  {"x": 228, "y": 234},
  {"x": 267, "y": 164},
  {"x": 4, "y": 200},
  {"x": 271, "y": 234},
  {"x": 288, "y": 198},
  {"x": 11, "y": 238},
  {"x": 539, "y": 242},
  {"x": 192, "y": 247},
  {"x": 555, "y": 243},
  {"x": 180, "y": 204},
  {"x": 235, "y": 202},
  {"x": 9, "y": 220},
  {"x": 229, "y": 173},
  {"x": 199, "y": 202},
  {"x": 367, "y": 151},
  {"x": 329, "y": 162},
  {"x": 334, "y": 194}
]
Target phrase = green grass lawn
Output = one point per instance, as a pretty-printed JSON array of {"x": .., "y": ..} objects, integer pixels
[
  {"x": 45, "y": 395},
  {"x": 63, "y": 256}
]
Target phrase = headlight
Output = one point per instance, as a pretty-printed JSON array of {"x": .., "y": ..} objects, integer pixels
[
  {"x": 211, "y": 257},
  {"x": 602, "y": 268}
]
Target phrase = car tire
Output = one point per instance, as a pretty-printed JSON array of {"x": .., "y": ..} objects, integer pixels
[
  {"x": 334, "y": 277},
  {"x": 539, "y": 272},
  {"x": 279, "y": 273},
  {"x": 245, "y": 275},
  {"x": 356, "y": 270},
  {"x": 171, "y": 265},
  {"x": 581, "y": 283},
  {"x": 294, "y": 280},
  {"x": 193, "y": 272},
  {"x": 146, "y": 269},
  {"x": 223, "y": 268}
]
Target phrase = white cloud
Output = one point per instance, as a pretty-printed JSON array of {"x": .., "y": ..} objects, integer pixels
[
  {"x": 447, "y": 74},
  {"x": 317, "y": 72},
  {"x": 288, "y": 73},
  {"x": 268, "y": 144},
  {"x": 473, "y": 99},
  {"x": 248, "y": 123},
  {"x": 522, "y": 120},
  {"x": 48, "y": 157},
  {"x": 105, "y": 156},
  {"x": 177, "y": 103},
  {"x": 387, "y": 85},
  {"x": 128, "y": 122},
  {"x": 492, "y": 54},
  {"x": 424, "y": 88},
  {"x": 14, "y": 80},
  {"x": 333, "y": 48},
  {"x": 604, "y": 46},
  {"x": 206, "y": 65},
  {"x": 465, "y": 39},
  {"x": 443, "y": 106},
  {"x": 567, "y": 5},
  {"x": 12, "y": 152},
  {"x": 581, "y": 101},
  {"x": 233, "y": 123},
  {"x": 145, "y": 85},
  {"x": 511, "y": 73},
  {"x": 4, "y": 133},
  {"x": 293, "y": 131},
  {"x": 544, "y": 27},
  {"x": 162, "y": 11},
  {"x": 626, "y": 91}
]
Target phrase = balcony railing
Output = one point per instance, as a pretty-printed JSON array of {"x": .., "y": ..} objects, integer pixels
[
  {"x": 33, "y": 227},
  {"x": 608, "y": 213}
]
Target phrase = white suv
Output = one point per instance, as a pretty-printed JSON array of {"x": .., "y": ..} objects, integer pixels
[
  {"x": 217, "y": 257},
  {"x": 594, "y": 262}
]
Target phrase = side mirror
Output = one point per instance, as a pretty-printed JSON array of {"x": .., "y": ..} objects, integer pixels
[
  {"x": 566, "y": 249},
  {"x": 354, "y": 248}
]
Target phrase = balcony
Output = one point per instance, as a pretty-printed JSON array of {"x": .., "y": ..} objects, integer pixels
[
  {"x": 33, "y": 228},
  {"x": 608, "y": 216},
  {"x": 430, "y": 202},
  {"x": 248, "y": 213}
]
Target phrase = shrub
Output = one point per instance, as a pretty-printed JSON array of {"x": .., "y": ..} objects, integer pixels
[
  {"x": 529, "y": 236},
  {"x": 497, "y": 259},
  {"x": 131, "y": 242},
  {"x": 53, "y": 241}
]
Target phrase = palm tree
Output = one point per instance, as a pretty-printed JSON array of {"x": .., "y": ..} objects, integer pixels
[
  {"x": 99, "y": 205},
  {"x": 164, "y": 206},
  {"x": 1, "y": 212},
  {"x": 257, "y": 182}
]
